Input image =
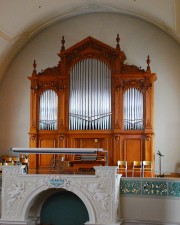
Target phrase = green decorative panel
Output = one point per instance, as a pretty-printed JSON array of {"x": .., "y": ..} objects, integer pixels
[
  {"x": 150, "y": 187},
  {"x": 174, "y": 189},
  {"x": 130, "y": 187},
  {"x": 158, "y": 188}
]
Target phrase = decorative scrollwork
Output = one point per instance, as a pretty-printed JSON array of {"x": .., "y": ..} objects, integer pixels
[
  {"x": 50, "y": 71},
  {"x": 131, "y": 69},
  {"x": 33, "y": 137},
  {"x": 132, "y": 83},
  {"x": 117, "y": 137},
  {"x": 148, "y": 137},
  {"x": 61, "y": 137}
]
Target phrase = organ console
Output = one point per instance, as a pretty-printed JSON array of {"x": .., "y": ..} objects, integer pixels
[
  {"x": 83, "y": 158},
  {"x": 92, "y": 99}
]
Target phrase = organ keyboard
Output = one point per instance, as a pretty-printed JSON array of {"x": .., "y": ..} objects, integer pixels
[{"x": 69, "y": 160}]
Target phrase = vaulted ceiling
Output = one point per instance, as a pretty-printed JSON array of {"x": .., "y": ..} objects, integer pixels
[{"x": 21, "y": 20}]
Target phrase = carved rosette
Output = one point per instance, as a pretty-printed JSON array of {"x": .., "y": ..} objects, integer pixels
[
  {"x": 61, "y": 137},
  {"x": 33, "y": 137},
  {"x": 148, "y": 137},
  {"x": 117, "y": 138}
]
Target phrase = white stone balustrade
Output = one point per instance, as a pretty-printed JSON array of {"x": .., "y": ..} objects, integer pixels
[{"x": 21, "y": 204}]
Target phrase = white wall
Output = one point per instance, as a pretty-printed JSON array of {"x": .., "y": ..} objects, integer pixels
[
  {"x": 153, "y": 210},
  {"x": 138, "y": 39}
]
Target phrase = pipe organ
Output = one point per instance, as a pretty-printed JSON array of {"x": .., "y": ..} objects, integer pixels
[
  {"x": 133, "y": 109},
  {"x": 92, "y": 99},
  {"x": 48, "y": 114},
  {"x": 90, "y": 96}
]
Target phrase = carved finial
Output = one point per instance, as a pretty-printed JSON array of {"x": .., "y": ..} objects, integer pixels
[
  {"x": 34, "y": 66},
  {"x": 62, "y": 42},
  {"x": 148, "y": 64},
  {"x": 118, "y": 40}
]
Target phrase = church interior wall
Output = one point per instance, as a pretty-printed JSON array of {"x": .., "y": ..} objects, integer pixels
[{"x": 137, "y": 39}]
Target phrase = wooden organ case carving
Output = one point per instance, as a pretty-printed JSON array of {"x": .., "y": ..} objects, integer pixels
[{"x": 113, "y": 110}]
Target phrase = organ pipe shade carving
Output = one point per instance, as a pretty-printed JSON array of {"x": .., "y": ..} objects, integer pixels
[
  {"x": 133, "y": 109},
  {"x": 90, "y": 96},
  {"x": 48, "y": 110}
]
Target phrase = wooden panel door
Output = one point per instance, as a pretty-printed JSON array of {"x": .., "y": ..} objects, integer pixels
[
  {"x": 133, "y": 149},
  {"x": 46, "y": 160}
]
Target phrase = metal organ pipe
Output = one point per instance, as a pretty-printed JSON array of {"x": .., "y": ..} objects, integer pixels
[
  {"x": 133, "y": 109},
  {"x": 48, "y": 111},
  {"x": 90, "y": 96}
]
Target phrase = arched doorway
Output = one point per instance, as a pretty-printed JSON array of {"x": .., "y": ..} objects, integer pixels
[{"x": 64, "y": 208}]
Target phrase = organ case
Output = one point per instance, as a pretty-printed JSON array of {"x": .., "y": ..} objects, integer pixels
[{"x": 92, "y": 99}]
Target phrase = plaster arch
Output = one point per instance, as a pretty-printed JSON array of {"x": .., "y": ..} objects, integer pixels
[
  {"x": 25, "y": 207},
  {"x": 99, "y": 193}
]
